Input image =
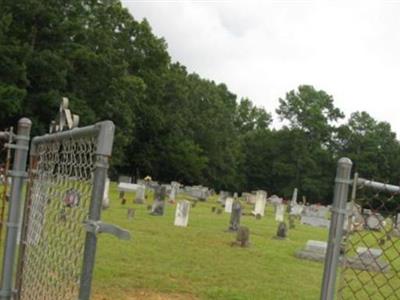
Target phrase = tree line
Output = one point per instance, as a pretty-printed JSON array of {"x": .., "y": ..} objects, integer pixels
[{"x": 172, "y": 124}]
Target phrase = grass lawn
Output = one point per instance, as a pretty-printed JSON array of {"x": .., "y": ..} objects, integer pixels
[{"x": 197, "y": 262}]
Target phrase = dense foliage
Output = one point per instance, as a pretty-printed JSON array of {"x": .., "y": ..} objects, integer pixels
[{"x": 171, "y": 124}]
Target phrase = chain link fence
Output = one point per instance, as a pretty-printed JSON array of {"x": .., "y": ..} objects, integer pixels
[
  {"x": 364, "y": 240},
  {"x": 5, "y": 165},
  {"x": 371, "y": 259},
  {"x": 66, "y": 183}
]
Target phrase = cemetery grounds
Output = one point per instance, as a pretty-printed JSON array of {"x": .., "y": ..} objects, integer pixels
[
  {"x": 165, "y": 262},
  {"x": 162, "y": 261}
]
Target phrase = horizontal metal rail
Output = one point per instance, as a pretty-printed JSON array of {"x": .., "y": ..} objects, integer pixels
[
  {"x": 104, "y": 129},
  {"x": 378, "y": 186}
]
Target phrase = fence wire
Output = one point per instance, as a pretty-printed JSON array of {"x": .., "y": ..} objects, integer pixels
[
  {"x": 370, "y": 264},
  {"x": 61, "y": 178},
  {"x": 5, "y": 165}
]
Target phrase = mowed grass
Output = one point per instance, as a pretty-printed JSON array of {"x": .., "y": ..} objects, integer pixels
[{"x": 197, "y": 262}]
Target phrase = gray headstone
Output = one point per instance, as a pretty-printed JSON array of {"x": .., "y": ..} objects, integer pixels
[
  {"x": 281, "y": 232},
  {"x": 314, "y": 250},
  {"x": 243, "y": 236},
  {"x": 159, "y": 201},
  {"x": 235, "y": 216}
]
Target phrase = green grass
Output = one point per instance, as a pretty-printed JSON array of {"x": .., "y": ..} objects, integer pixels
[{"x": 198, "y": 260}]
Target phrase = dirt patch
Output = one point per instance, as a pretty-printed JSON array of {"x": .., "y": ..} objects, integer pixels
[{"x": 148, "y": 295}]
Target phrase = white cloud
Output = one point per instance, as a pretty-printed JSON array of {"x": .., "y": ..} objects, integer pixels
[{"x": 263, "y": 49}]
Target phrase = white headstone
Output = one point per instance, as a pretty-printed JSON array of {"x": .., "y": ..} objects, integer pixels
[
  {"x": 140, "y": 193},
  {"x": 294, "y": 197},
  {"x": 296, "y": 209},
  {"x": 316, "y": 246},
  {"x": 315, "y": 221},
  {"x": 106, "y": 199},
  {"x": 280, "y": 212},
  {"x": 182, "y": 213},
  {"x": 259, "y": 207},
  {"x": 127, "y": 187},
  {"x": 228, "y": 204}
]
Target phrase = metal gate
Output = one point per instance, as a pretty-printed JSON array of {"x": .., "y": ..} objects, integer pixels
[
  {"x": 66, "y": 184},
  {"x": 364, "y": 239}
]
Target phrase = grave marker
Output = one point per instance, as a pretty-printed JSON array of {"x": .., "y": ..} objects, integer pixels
[
  {"x": 235, "y": 216},
  {"x": 182, "y": 213},
  {"x": 228, "y": 205},
  {"x": 280, "y": 212},
  {"x": 259, "y": 207}
]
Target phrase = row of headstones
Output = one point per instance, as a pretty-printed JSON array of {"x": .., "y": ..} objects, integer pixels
[{"x": 197, "y": 192}]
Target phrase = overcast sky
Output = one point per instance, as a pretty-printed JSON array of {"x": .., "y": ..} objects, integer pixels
[{"x": 262, "y": 49}]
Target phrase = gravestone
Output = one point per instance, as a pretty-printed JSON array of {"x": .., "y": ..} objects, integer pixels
[
  {"x": 242, "y": 237},
  {"x": 228, "y": 205},
  {"x": 131, "y": 213},
  {"x": 314, "y": 250},
  {"x": 259, "y": 207},
  {"x": 368, "y": 259},
  {"x": 281, "y": 232},
  {"x": 294, "y": 197},
  {"x": 375, "y": 222},
  {"x": 140, "y": 194},
  {"x": 274, "y": 199},
  {"x": 213, "y": 209},
  {"x": 235, "y": 216},
  {"x": 293, "y": 202},
  {"x": 123, "y": 201},
  {"x": 354, "y": 220},
  {"x": 296, "y": 209},
  {"x": 280, "y": 212},
  {"x": 106, "y": 199},
  {"x": 315, "y": 215},
  {"x": 174, "y": 191},
  {"x": 182, "y": 213},
  {"x": 159, "y": 201}
]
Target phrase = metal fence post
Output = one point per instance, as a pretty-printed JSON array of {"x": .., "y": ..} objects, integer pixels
[
  {"x": 341, "y": 191},
  {"x": 103, "y": 152},
  {"x": 17, "y": 174}
]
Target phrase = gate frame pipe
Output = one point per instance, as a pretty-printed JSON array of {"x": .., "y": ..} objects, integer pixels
[
  {"x": 341, "y": 193},
  {"x": 13, "y": 225}
]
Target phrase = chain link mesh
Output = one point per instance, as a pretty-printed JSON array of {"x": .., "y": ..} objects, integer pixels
[
  {"x": 60, "y": 194},
  {"x": 371, "y": 261}
]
